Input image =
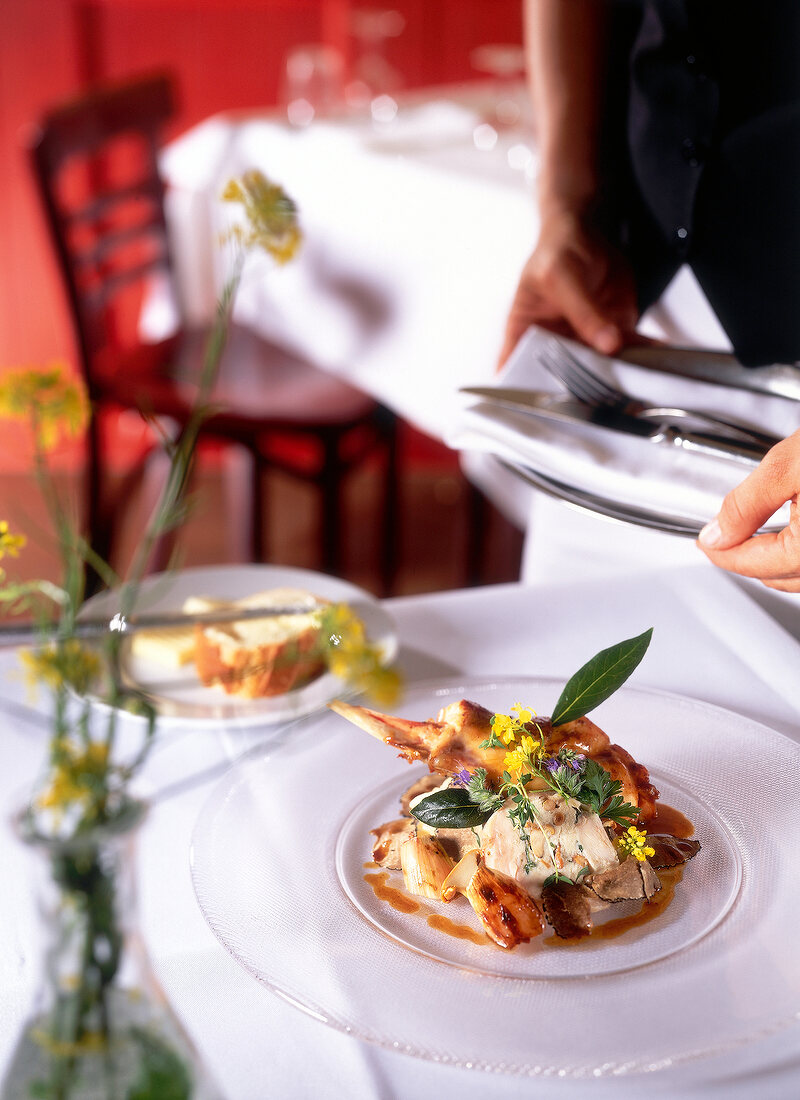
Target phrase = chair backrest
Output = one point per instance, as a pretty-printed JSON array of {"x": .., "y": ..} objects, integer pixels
[{"x": 95, "y": 160}]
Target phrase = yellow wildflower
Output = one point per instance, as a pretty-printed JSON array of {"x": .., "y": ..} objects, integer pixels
[
  {"x": 633, "y": 843},
  {"x": 524, "y": 714},
  {"x": 353, "y": 659},
  {"x": 271, "y": 215},
  {"x": 529, "y": 745},
  {"x": 505, "y": 728},
  {"x": 76, "y": 773},
  {"x": 52, "y": 401},
  {"x": 64, "y": 664},
  {"x": 10, "y": 544}
]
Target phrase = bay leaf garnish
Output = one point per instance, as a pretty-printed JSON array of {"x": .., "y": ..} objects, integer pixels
[
  {"x": 451, "y": 809},
  {"x": 599, "y": 678}
]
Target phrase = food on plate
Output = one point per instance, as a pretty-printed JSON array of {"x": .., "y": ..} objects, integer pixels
[
  {"x": 254, "y": 658},
  {"x": 250, "y": 658},
  {"x": 172, "y": 646},
  {"x": 535, "y": 820}
]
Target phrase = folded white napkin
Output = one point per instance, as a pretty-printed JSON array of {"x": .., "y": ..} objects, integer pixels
[{"x": 629, "y": 470}]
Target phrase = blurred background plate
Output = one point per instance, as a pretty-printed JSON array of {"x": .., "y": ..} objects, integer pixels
[{"x": 179, "y": 696}]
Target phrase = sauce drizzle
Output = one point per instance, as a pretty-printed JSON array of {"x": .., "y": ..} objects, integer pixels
[
  {"x": 458, "y": 931},
  {"x": 396, "y": 898},
  {"x": 668, "y": 820}
]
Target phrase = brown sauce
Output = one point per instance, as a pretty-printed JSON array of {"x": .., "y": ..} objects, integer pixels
[
  {"x": 396, "y": 898},
  {"x": 370, "y": 865},
  {"x": 668, "y": 820},
  {"x": 459, "y": 931}
]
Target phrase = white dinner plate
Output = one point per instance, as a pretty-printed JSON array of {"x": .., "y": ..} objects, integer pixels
[
  {"x": 178, "y": 694},
  {"x": 278, "y": 863}
]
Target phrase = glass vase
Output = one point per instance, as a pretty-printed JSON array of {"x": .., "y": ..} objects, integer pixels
[{"x": 101, "y": 1028}]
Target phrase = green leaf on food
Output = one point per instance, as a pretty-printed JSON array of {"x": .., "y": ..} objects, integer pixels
[
  {"x": 450, "y": 809},
  {"x": 599, "y": 678}
]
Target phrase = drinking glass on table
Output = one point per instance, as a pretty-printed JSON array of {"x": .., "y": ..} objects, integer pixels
[
  {"x": 375, "y": 82},
  {"x": 313, "y": 83},
  {"x": 505, "y": 62}
]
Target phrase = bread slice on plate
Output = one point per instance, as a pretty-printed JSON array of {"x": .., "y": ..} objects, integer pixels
[{"x": 256, "y": 658}]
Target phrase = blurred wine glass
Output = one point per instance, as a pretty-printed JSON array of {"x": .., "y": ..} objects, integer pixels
[
  {"x": 375, "y": 82},
  {"x": 313, "y": 83},
  {"x": 505, "y": 63}
]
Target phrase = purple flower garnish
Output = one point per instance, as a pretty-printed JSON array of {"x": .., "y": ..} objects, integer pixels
[
  {"x": 577, "y": 762},
  {"x": 462, "y": 778},
  {"x": 552, "y": 763}
]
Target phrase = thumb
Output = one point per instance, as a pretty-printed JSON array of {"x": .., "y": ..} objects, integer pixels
[{"x": 774, "y": 481}]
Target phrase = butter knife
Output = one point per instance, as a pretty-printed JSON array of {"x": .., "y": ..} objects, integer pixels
[
  {"x": 777, "y": 379},
  {"x": 569, "y": 410},
  {"x": 98, "y": 628}
]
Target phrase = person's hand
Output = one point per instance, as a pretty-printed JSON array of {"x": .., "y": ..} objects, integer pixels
[
  {"x": 730, "y": 542},
  {"x": 576, "y": 284}
]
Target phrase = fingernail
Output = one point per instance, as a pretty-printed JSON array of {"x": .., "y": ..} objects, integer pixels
[
  {"x": 711, "y": 535},
  {"x": 607, "y": 339}
]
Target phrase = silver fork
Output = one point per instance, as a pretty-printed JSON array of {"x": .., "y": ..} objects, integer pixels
[{"x": 584, "y": 384}]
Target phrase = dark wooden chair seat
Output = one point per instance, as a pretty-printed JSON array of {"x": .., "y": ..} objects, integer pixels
[{"x": 111, "y": 240}]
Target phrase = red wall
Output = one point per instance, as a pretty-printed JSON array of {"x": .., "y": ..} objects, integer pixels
[{"x": 225, "y": 53}]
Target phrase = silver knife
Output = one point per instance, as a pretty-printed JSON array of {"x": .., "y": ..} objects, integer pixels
[
  {"x": 18, "y": 633},
  {"x": 569, "y": 410},
  {"x": 777, "y": 379}
]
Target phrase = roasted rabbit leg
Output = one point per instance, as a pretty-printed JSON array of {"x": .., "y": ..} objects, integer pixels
[{"x": 454, "y": 741}]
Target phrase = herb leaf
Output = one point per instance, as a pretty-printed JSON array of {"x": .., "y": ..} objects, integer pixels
[
  {"x": 601, "y": 794},
  {"x": 623, "y": 813},
  {"x": 451, "y": 809},
  {"x": 599, "y": 678}
]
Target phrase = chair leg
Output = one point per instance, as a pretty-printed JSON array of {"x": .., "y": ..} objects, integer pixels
[
  {"x": 391, "y": 532},
  {"x": 331, "y": 510},
  {"x": 258, "y": 491},
  {"x": 477, "y": 521}
]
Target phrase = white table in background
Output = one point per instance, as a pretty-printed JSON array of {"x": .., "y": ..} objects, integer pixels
[{"x": 415, "y": 235}]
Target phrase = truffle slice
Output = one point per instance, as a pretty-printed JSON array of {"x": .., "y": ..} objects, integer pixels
[
  {"x": 628, "y": 881},
  {"x": 568, "y": 908},
  {"x": 670, "y": 851}
]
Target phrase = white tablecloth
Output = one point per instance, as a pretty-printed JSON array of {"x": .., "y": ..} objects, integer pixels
[
  {"x": 414, "y": 239},
  {"x": 415, "y": 236},
  {"x": 710, "y": 642}
]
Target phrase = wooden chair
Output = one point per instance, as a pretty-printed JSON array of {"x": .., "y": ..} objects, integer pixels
[{"x": 96, "y": 164}]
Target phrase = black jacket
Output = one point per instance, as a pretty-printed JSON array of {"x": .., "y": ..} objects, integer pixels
[{"x": 703, "y": 158}]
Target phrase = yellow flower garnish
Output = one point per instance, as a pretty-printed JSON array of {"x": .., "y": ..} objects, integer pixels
[
  {"x": 524, "y": 714},
  {"x": 522, "y": 756},
  {"x": 511, "y": 729},
  {"x": 505, "y": 728},
  {"x": 10, "y": 544},
  {"x": 271, "y": 215},
  {"x": 633, "y": 843},
  {"x": 529, "y": 746},
  {"x": 51, "y": 399}
]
